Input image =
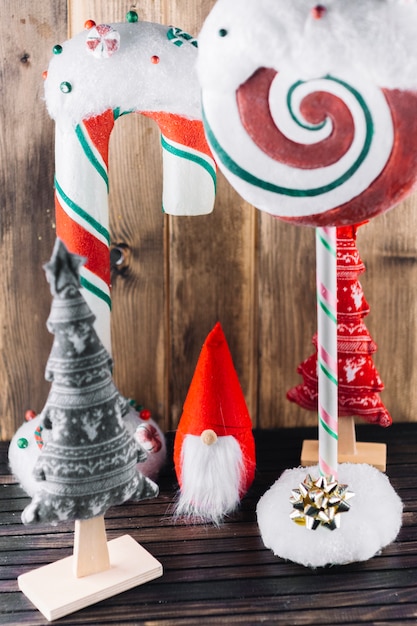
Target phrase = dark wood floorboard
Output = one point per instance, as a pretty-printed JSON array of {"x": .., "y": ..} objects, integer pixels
[{"x": 225, "y": 575}]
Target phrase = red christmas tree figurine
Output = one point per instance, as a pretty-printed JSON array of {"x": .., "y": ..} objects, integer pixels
[{"x": 359, "y": 382}]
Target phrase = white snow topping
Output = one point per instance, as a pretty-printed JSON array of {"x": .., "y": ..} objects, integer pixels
[
  {"x": 149, "y": 72},
  {"x": 375, "y": 38}
]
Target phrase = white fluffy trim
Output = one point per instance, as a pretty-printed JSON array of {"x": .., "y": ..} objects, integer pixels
[
  {"x": 128, "y": 80},
  {"x": 211, "y": 478},
  {"x": 372, "y": 522},
  {"x": 376, "y": 38}
]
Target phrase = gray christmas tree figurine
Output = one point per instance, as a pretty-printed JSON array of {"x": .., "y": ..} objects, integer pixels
[{"x": 89, "y": 462}]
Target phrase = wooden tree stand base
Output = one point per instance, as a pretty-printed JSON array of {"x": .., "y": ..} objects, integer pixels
[
  {"x": 349, "y": 450},
  {"x": 371, "y": 453},
  {"x": 56, "y": 591}
]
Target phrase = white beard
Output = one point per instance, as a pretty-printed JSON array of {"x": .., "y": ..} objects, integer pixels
[{"x": 211, "y": 478}]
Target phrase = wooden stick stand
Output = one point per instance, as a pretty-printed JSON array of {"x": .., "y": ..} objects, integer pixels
[
  {"x": 97, "y": 570},
  {"x": 349, "y": 450}
]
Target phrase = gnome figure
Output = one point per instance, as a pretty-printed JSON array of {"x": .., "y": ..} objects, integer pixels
[
  {"x": 214, "y": 450},
  {"x": 88, "y": 462}
]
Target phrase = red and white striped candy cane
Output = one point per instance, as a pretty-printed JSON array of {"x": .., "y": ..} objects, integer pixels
[
  {"x": 81, "y": 206},
  {"x": 81, "y": 193},
  {"x": 189, "y": 170},
  {"x": 93, "y": 78}
]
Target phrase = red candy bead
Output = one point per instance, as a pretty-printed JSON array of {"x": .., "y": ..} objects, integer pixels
[
  {"x": 89, "y": 24},
  {"x": 318, "y": 11},
  {"x": 145, "y": 414},
  {"x": 155, "y": 59},
  {"x": 44, "y": 74},
  {"x": 29, "y": 415}
]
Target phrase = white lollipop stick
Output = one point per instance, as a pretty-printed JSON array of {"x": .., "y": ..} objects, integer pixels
[{"x": 327, "y": 349}]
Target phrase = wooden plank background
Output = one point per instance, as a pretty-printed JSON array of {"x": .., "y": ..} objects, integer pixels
[{"x": 253, "y": 273}]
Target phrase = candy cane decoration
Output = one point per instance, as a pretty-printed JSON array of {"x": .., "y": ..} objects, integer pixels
[
  {"x": 81, "y": 208},
  {"x": 90, "y": 84},
  {"x": 186, "y": 157},
  {"x": 327, "y": 349},
  {"x": 81, "y": 193}
]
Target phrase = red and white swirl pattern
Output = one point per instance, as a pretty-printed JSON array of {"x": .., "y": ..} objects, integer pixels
[
  {"x": 328, "y": 151},
  {"x": 103, "y": 41}
]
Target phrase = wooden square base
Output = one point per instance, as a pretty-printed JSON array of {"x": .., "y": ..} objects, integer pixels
[
  {"x": 56, "y": 591},
  {"x": 371, "y": 453}
]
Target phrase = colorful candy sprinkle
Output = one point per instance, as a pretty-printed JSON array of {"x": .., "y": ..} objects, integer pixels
[
  {"x": 178, "y": 37},
  {"x": 148, "y": 437},
  {"x": 22, "y": 443},
  {"x": 38, "y": 436},
  {"x": 103, "y": 41}
]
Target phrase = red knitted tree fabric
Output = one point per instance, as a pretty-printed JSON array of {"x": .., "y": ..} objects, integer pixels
[{"x": 359, "y": 382}]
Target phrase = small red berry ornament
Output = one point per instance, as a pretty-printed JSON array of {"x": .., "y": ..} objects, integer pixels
[
  {"x": 145, "y": 414},
  {"x": 29, "y": 415},
  {"x": 318, "y": 11}
]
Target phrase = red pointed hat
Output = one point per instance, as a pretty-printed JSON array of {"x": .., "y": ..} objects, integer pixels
[{"x": 215, "y": 399}]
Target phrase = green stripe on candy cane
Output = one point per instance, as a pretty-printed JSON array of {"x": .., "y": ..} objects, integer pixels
[
  {"x": 327, "y": 245},
  {"x": 82, "y": 213},
  {"x": 183, "y": 154},
  {"x": 95, "y": 290},
  {"x": 328, "y": 374},
  {"x": 89, "y": 153},
  {"x": 327, "y": 429},
  {"x": 240, "y": 172},
  {"x": 327, "y": 311}
]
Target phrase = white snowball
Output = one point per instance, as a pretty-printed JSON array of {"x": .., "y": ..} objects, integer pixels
[{"x": 372, "y": 522}]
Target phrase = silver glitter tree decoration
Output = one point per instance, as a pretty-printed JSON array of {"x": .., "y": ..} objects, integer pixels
[{"x": 89, "y": 462}]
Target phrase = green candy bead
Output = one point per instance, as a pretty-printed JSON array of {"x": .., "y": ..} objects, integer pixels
[
  {"x": 22, "y": 443},
  {"x": 132, "y": 16},
  {"x": 65, "y": 87},
  {"x": 57, "y": 49}
]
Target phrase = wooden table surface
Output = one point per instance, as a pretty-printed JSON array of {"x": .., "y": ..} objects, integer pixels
[{"x": 225, "y": 575}]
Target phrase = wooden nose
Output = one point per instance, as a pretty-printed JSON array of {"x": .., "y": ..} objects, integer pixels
[{"x": 208, "y": 437}]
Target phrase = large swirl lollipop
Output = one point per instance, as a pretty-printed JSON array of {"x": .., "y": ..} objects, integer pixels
[
  {"x": 309, "y": 118},
  {"x": 309, "y": 111}
]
